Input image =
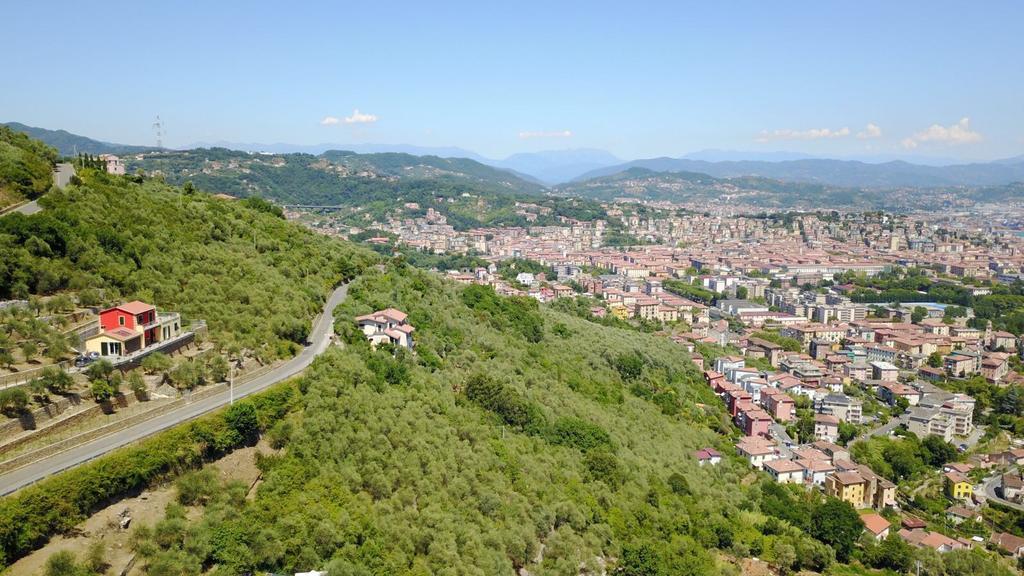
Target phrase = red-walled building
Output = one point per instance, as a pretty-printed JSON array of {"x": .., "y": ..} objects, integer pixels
[
  {"x": 136, "y": 316},
  {"x": 131, "y": 327},
  {"x": 778, "y": 404},
  {"x": 734, "y": 399},
  {"x": 754, "y": 421}
]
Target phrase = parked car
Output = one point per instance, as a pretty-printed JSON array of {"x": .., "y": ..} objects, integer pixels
[{"x": 86, "y": 359}]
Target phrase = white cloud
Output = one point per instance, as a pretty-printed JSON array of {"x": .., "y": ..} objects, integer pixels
[
  {"x": 872, "y": 130},
  {"x": 330, "y": 121},
  {"x": 812, "y": 134},
  {"x": 358, "y": 117},
  {"x": 959, "y": 133},
  {"x": 545, "y": 134}
]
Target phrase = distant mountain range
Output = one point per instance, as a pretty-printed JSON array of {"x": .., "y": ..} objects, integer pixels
[
  {"x": 554, "y": 167},
  {"x": 850, "y": 173}
]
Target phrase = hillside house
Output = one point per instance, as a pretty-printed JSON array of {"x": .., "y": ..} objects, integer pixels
[
  {"x": 1013, "y": 545},
  {"x": 388, "y": 326},
  {"x": 708, "y": 456},
  {"x": 757, "y": 451},
  {"x": 876, "y": 525},
  {"x": 785, "y": 471},
  {"x": 114, "y": 164},
  {"x": 958, "y": 486},
  {"x": 130, "y": 327},
  {"x": 846, "y": 486}
]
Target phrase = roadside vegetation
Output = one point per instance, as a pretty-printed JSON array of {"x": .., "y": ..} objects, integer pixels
[{"x": 26, "y": 167}]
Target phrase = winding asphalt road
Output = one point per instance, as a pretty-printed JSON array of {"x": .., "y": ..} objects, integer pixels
[
  {"x": 990, "y": 485},
  {"x": 319, "y": 339}
]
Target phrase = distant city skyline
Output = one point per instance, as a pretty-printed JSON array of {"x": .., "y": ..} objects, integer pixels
[{"x": 928, "y": 80}]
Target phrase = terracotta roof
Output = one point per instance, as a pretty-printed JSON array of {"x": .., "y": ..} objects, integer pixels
[
  {"x": 783, "y": 466},
  {"x": 849, "y": 477},
  {"x": 826, "y": 419},
  {"x": 1008, "y": 542},
  {"x": 875, "y": 523}
]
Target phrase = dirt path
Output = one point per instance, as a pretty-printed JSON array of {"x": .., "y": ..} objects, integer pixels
[{"x": 147, "y": 508}]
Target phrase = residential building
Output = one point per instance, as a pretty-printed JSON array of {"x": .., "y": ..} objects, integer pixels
[
  {"x": 884, "y": 371},
  {"x": 958, "y": 486},
  {"x": 388, "y": 326},
  {"x": 876, "y": 525},
  {"x": 843, "y": 407},
  {"x": 847, "y": 486},
  {"x": 785, "y": 471},
  {"x": 114, "y": 164},
  {"x": 131, "y": 327},
  {"x": 826, "y": 427}
]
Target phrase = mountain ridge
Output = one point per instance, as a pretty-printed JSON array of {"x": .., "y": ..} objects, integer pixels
[{"x": 850, "y": 173}]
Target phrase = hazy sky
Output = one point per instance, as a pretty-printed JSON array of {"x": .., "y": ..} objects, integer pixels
[{"x": 639, "y": 79}]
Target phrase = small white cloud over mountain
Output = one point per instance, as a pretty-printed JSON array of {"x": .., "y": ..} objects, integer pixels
[{"x": 959, "y": 133}]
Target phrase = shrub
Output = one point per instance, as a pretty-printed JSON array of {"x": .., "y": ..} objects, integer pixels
[
  {"x": 605, "y": 467},
  {"x": 56, "y": 380},
  {"x": 13, "y": 401},
  {"x": 241, "y": 417},
  {"x": 157, "y": 362},
  {"x": 102, "y": 390},
  {"x": 513, "y": 408},
  {"x": 578, "y": 434},
  {"x": 197, "y": 487}
]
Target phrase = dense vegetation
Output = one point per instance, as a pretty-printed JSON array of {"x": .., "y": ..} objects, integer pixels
[
  {"x": 55, "y": 505},
  {"x": 691, "y": 291},
  {"x": 501, "y": 444},
  {"x": 903, "y": 457},
  {"x": 256, "y": 279},
  {"x": 26, "y": 166}
]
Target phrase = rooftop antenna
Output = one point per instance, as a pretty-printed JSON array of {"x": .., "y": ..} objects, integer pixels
[{"x": 158, "y": 129}]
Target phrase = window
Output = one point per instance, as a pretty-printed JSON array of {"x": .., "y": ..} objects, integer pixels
[{"x": 120, "y": 320}]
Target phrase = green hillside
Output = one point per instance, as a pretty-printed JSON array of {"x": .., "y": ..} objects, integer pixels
[
  {"x": 26, "y": 167},
  {"x": 643, "y": 183},
  {"x": 517, "y": 440},
  {"x": 516, "y": 437},
  {"x": 256, "y": 279}
]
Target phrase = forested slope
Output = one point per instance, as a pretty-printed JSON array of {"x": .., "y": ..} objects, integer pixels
[
  {"x": 26, "y": 167},
  {"x": 515, "y": 437},
  {"x": 370, "y": 186},
  {"x": 255, "y": 278}
]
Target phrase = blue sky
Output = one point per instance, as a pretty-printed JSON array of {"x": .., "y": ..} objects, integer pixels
[{"x": 639, "y": 79}]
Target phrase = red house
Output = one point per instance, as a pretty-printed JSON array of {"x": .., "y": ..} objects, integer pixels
[
  {"x": 130, "y": 327},
  {"x": 736, "y": 398},
  {"x": 778, "y": 404},
  {"x": 136, "y": 316},
  {"x": 754, "y": 422}
]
